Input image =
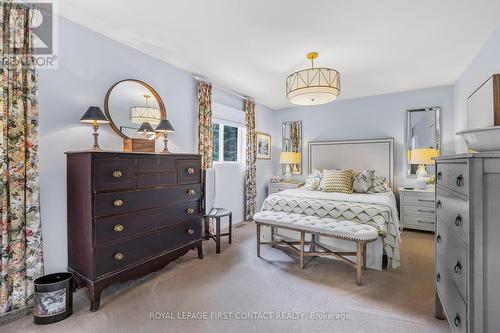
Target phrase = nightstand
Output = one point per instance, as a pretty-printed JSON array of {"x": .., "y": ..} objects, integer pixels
[
  {"x": 281, "y": 186},
  {"x": 417, "y": 209}
]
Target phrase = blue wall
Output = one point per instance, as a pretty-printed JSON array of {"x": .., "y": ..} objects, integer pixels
[{"x": 89, "y": 63}]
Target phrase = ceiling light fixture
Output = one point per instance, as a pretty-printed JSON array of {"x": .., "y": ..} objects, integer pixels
[
  {"x": 313, "y": 86},
  {"x": 145, "y": 114}
]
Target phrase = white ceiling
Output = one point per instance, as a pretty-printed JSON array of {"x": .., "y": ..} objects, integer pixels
[{"x": 251, "y": 46}]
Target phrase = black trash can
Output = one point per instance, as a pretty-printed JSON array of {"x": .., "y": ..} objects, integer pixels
[{"x": 53, "y": 298}]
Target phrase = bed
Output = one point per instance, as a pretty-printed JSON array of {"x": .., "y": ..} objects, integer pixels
[{"x": 377, "y": 209}]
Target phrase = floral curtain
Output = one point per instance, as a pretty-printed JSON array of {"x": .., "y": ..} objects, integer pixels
[
  {"x": 205, "y": 139},
  {"x": 250, "y": 174},
  {"x": 20, "y": 230}
]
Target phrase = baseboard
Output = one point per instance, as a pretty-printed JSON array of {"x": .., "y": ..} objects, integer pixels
[{"x": 14, "y": 315}]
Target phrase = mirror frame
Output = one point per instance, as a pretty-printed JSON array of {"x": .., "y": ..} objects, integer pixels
[
  {"x": 437, "y": 122},
  {"x": 283, "y": 145},
  {"x": 163, "y": 111}
]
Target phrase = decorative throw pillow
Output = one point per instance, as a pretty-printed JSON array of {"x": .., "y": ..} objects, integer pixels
[
  {"x": 337, "y": 181},
  {"x": 313, "y": 181},
  {"x": 378, "y": 185},
  {"x": 362, "y": 181}
]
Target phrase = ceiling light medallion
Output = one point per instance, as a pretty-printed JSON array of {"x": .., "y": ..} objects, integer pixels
[{"x": 313, "y": 86}]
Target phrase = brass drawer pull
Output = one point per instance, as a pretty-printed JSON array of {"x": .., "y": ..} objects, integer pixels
[
  {"x": 191, "y": 192},
  {"x": 425, "y": 211},
  {"x": 427, "y": 222},
  {"x": 458, "y": 220},
  {"x": 117, "y": 203},
  {"x": 438, "y": 277},
  {"x": 118, "y": 228},
  {"x": 190, "y": 210},
  {"x": 117, "y": 174},
  {"x": 118, "y": 256},
  {"x": 439, "y": 204},
  {"x": 460, "y": 181},
  {"x": 190, "y": 171},
  {"x": 458, "y": 267},
  {"x": 190, "y": 231},
  {"x": 457, "y": 321}
]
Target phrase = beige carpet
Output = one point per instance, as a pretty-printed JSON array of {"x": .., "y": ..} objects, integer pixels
[{"x": 236, "y": 283}]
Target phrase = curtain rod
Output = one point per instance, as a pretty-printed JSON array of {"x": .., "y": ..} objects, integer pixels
[{"x": 229, "y": 90}]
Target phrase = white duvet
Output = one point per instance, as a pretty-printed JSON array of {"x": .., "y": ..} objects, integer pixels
[{"x": 386, "y": 199}]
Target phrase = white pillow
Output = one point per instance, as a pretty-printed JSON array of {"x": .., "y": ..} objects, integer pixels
[{"x": 313, "y": 181}]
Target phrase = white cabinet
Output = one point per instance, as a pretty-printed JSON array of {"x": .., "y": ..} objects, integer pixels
[{"x": 417, "y": 209}]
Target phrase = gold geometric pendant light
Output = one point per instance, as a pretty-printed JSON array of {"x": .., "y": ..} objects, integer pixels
[{"x": 313, "y": 86}]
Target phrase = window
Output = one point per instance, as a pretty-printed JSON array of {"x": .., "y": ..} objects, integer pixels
[{"x": 227, "y": 143}]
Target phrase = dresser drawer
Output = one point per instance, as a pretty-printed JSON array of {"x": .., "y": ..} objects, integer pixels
[
  {"x": 454, "y": 212},
  {"x": 156, "y": 179},
  {"x": 156, "y": 165},
  {"x": 114, "y": 173},
  {"x": 454, "y": 306},
  {"x": 120, "y": 255},
  {"x": 454, "y": 176},
  {"x": 452, "y": 257},
  {"x": 424, "y": 201},
  {"x": 129, "y": 201},
  {"x": 425, "y": 222},
  {"x": 420, "y": 211},
  {"x": 113, "y": 228},
  {"x": 188, "y": 171}
]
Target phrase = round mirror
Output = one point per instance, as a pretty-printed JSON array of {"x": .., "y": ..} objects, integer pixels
[{"x": 134, "y": 109}]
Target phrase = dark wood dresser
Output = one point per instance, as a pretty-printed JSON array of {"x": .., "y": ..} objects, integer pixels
[{"x": 130, "y": 214}]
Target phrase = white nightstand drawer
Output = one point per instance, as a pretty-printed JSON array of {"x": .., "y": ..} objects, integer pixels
[
  {"x": 421, "y": 200},
  {"x": 423, "y": 211},
  {"x": 419, "y": 222}
]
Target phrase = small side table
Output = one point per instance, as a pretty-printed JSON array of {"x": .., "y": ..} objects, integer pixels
[
  {"x": 417, "y": 209},
  {"x": 217, "y": 213},
  {"x": 281, "y": 186}
]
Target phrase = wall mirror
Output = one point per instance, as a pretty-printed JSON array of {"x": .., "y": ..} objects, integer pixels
[
  {"x": 134, "y": 109},
  {"x": 291, "y": 141},
  {"x": 423, "y": 138}
]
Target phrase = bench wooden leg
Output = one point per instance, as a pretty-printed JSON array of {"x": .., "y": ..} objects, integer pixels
[
  {"x": 312, "y": 247},
  {"x": 258, "y": 239},
  {"x": 364, "y": 255},
  {"x": 302, "y": 250},
  {"x": 359, "y": 261}
]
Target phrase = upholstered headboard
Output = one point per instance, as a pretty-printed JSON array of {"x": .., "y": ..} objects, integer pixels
[{"x": 366, "y": 154}]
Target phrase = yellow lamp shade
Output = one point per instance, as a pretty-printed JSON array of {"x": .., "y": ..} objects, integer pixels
[
  {"x": 423, "y": 155},
  {"x": 288, "y": 157}
]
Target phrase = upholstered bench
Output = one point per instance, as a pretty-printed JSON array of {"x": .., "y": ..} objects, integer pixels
[{"x": 317, "y": 226}]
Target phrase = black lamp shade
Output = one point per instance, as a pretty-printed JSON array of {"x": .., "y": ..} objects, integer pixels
[
  {"x": 146, "y": 128},
  {"x": 164, "y": 126},
  {"x": 94, "y": 114}
]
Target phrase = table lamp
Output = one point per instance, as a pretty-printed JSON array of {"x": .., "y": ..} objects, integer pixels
[
  {"x": 422, "y": 157},
  {"x": 94, "y": 116},
  {"x": 165, "y": 127},
  {"x": 289, "y": 158},
  {"x": 146, "y": 129}
]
